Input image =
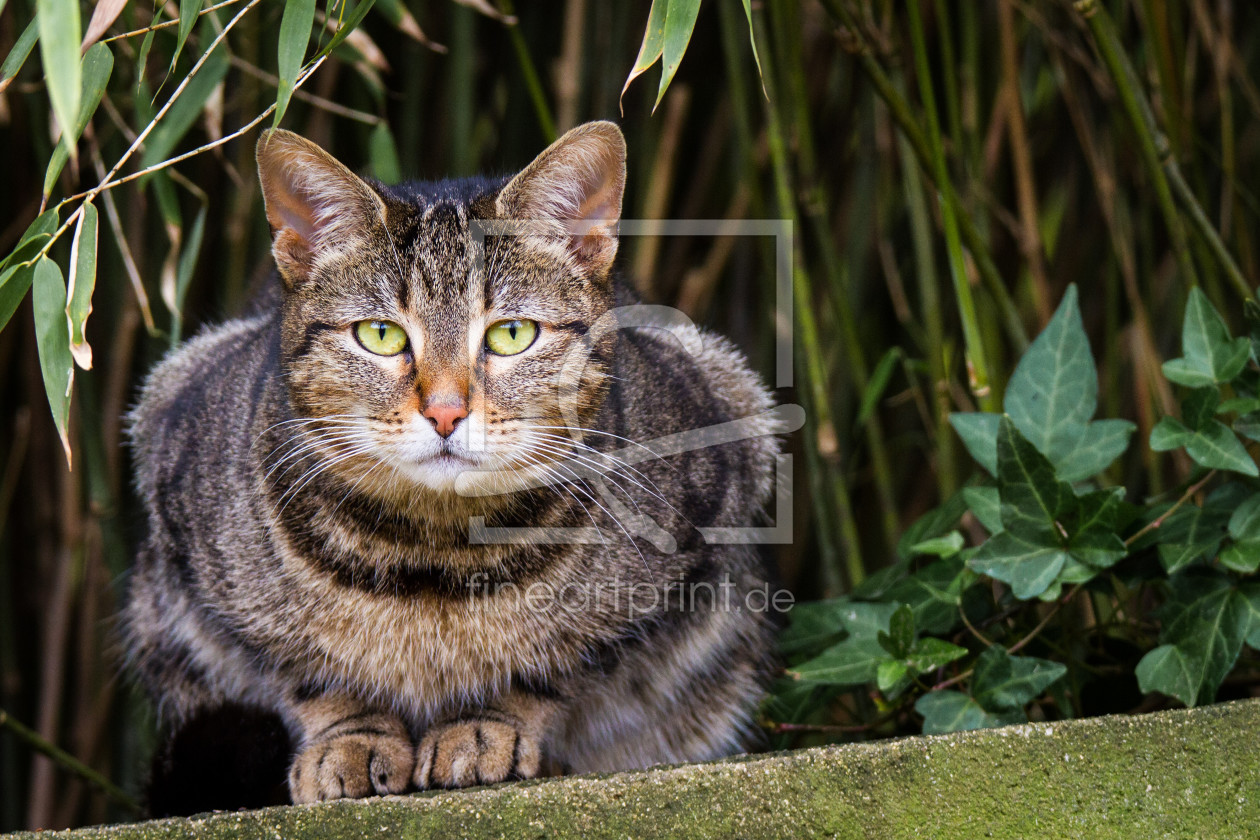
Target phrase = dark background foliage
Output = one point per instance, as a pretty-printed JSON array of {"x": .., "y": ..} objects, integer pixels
[{"x": 1045, "y": 165}]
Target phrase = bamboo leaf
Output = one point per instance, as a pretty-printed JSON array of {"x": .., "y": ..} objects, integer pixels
[
  {"x": 59, "y": 51},
  {"x": 184, "y": 271},
  {"x": 82, "y": 283},
  {"x": 53, "y": 339},
  {"x": 189, "y": 10},
  {"x": 185, "y": 110},
  {"x": 383, "y": 153},
  {"x": 295, "y": 34},
  {"x": 103, "y": 16},
  {"x": 878, "y": 383},
  {"x": 14, "y": 283},
  {"x": 651, "y": 48},
  {"x": 680, "y": 20},
  {"x": 98, "y": 64},
  {"x": 20, "y": 52},
  {"x": 752, "y": 39}
]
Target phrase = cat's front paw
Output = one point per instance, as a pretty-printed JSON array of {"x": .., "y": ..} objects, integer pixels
[
  {"x": 475, "y": 751},
  {"x": 352, "y": 763}
]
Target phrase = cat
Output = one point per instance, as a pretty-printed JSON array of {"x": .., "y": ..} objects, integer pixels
[{"x": 409, "y": 505}]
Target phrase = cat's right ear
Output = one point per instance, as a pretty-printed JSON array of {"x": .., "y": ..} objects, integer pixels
[{"x": 315, "y": 205}]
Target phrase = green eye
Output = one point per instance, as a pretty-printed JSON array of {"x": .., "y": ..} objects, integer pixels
[
  {"x": 507, "y": 338},
  {"x": 384, "y": 338}
]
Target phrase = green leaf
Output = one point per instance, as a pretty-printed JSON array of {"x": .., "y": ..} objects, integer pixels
[
  {"x": 185, "y": 110},
  {"x": 935, "y": 523},
  {"x": 680, "y": 20},
  {"x": 1217, "y": 447},
  {"x": 1251, "y": 595},
  {"x": 59, "y": 34},
  {"x": 1032, "y": 497},
  {"x": 953, "y": 711},
  {"x": 855, "y": 660},
  {"x": 934, "y": 593},
  {"x": 1198, "y": 406},
  {"x": 1100, "y": 443},
  {"x": 349, "y": 24},
  {"x": 1170, "y": 433},
  {"x": 1209, "y": 355},
  {"x": 1098, "y": 549},
  {"x": 929, "y": 654},
  {"x": 945, "y": 546},
  {"x": 184, "y": 271},
  {"x": 383, "y": 153},
  {"x": 900, "y": 636},
  {"x": 14, "y": 283},
  {"x": 53, "y": 340},
  {"x": 98, "y": 64},
  {"x": 20, "y": 52},
  {"x": 1028, "y": 567},
  {"x": 1248, "y": 426},
  {"x": 33, "y": 239},
  {"x": 1244, "y": 522},
  {"x": 1005, "y": 683},
  {"x": 979, "y": 431},
  {"x": 986, "y": 505},
  {"x": 752, "y": 39},
  {"x": 892, "y": 676},
  {"x": 813, "y": 626},
  {"x": 1239, "y": 405},
  {"x": 82, "y": 283},
  {"x": 1242, "y": 557},
  {"x": 189, "y": 10},
  {"x": 295, "y": 34},
  {"x": 878, "y": 381},
  {"x": 1206, "y": 620},
  {"x": 651, "y": 48},
  {"x": 1054, "y": 390}
]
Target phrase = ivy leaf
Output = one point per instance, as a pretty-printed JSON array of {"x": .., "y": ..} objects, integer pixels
[
  {"x": 1217, "y": 447},
  {"x": 1244, "y": 522},
  {"x": 813, "y": 626},
  {"x": 1027, "y": 566},
  {"x": 934, "y": 593},
  {"x": 892, "y": 677},
  {"x": 953, "y": 711},
  {"x": 900, "y": 636},
  {"x": 945, "y": 546},
  {"x": 1170, "y": 433},
  {"x": 935, "y": 523},
  {"x": 1032, "y": 497},
  {"x": 1005, "y": 683},
  {"x": 985, "y": 504},
  {"x": 979, "y": 431},
  {"x": 855, "y": 660},
  {"x": 1100, "y": 443},
  {"x": 1199, "y": 406},
  {"x": 1205, "y": 624},
  {"x": 1242, "y": 557},
  {"x": 930, "y": 654},
  {"x": 1209, "y": 355},
  {"x": 1251, "y": 595}
]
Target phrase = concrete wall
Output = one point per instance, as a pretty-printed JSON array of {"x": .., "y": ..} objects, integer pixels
[{"x": 1175, "y": 774}]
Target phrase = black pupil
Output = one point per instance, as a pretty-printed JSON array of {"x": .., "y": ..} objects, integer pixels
[
  {"x": 381, "y": 329},
  {"x": 512, "y": 327}
]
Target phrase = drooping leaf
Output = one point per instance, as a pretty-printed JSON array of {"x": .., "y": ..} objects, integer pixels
[
  {"x": 59, "y": 34},
  {"x": 384, "y": 155},
  {"x": 15, "y": 281},
  {"x": 185, "y": 110},
  {"x": 1005, "y": 683},
  {"x": 189, "y": 10},
  {"x": 651, "y": 48},
  {"x": 105, "y": 13},
  {"x": 680, "y": 20},
  {"x": 752, "y": 39},
  {"x": 53, "y": 342},
  {"x": 295, "y": 34},
  {"x": 16, "y": 278},
  {"x": 184, "y": 271},
  {"x": 953, "y": 711},
  {"x": 98, "y": 64},
  {"x": 1209, "y": 355},
  {"x": 21, "y": 51},
  {"x": 878, "y": 382},
  {"x": 347, "y": 26},
  {"x": 82, "y": 283}
]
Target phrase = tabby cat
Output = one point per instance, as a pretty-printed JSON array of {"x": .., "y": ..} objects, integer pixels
[{"x": 410, "y": 504}]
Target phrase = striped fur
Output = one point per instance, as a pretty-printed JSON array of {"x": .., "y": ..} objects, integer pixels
[{"x": 309, "y": 544}]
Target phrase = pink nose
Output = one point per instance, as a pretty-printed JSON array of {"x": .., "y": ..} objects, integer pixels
[{"x": 445, "y": 415}]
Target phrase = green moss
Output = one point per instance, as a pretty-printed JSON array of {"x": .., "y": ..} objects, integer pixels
[{"x": 1182, "y": 774}]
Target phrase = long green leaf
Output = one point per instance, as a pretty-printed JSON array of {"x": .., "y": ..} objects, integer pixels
[
  {"x": 189, "y": 10},
  {"x": 82, "y": 284},
  {"x": 59, "y": 35},
  {"x": 184, "y": 272},
  {"x": 53, "y": 339},
  {"x": 651, "y": 48},
  {"x": 295, "y": 34},
  {"x": 20, "y": 52},
  {"x": 98, "y": 64},
  {"x": 184, "y": 112},
  {"x": 680, "y": 20},
  {"x": 15, "y": 281}
]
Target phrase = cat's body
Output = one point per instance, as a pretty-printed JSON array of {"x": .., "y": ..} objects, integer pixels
[{"x": 367, "y": 592}]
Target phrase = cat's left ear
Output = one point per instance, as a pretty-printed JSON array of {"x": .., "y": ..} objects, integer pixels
[
  {"x": 574, "y": 189},
  {"x": 315, "y": 205}
]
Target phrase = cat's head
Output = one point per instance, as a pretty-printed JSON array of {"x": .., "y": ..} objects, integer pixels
[{"x": 434, "y": 330}]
